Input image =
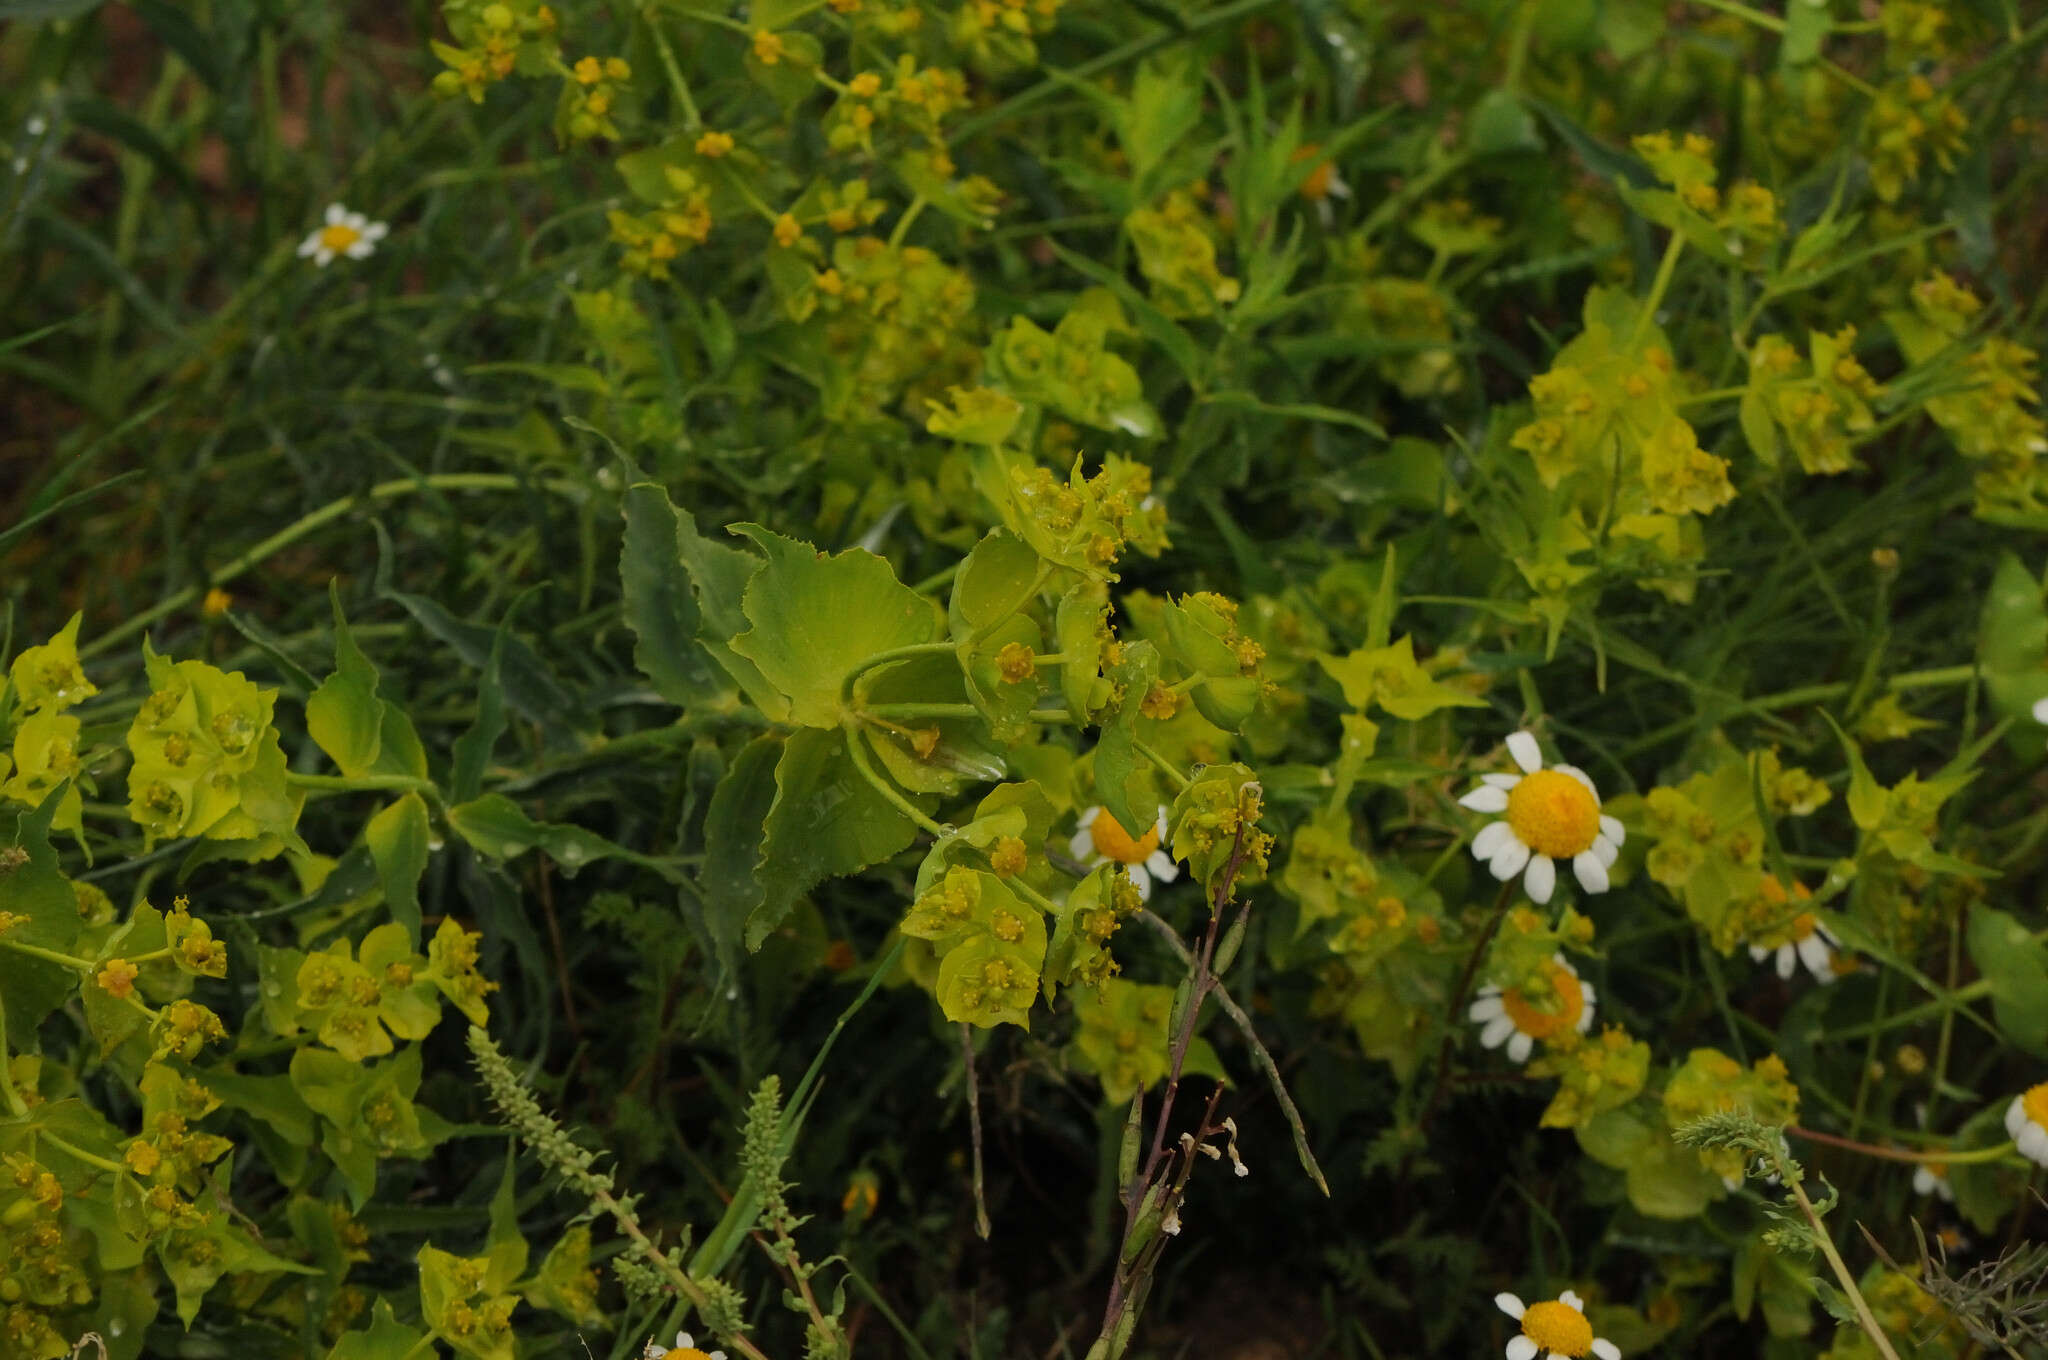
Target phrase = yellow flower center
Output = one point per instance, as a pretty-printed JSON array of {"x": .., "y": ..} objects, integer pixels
[
  {"x": 2035, "y": 1104},
  {"x": 1113, "y": 842},
  {"x": 1554, "y": 814},
  {"x": 1802, "y": 926},
  {"x": 1558, "y": 1327},
  {"x": 1571, "y": 1002},
  {"x": 339, "y": 236}
]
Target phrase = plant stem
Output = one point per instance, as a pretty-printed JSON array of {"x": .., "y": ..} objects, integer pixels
[
  {"x": 298, "y": 529},
  {"x": 15, "y": 1104},
  {"x": 884, "y": 787},
  {"x": 974, "y": 1127},
  {"x": 1988, "y": 1154},
  {"x": 1165, "y": 766},
  {"x": 1842, "y": 1276},
  {"x": 1451, "y": 1022},
  {"x": 1658, "y": 286},
  {"x": 1127, "y": 1285}
]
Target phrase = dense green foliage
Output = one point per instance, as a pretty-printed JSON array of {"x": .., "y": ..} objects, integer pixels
[{"x": 1054, "y": 677}]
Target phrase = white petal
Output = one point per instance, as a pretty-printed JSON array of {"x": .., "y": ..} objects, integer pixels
[
  {"x": 1160, "y": 865},
  {"x": 1759, "y": 953},
  {"x": 1496, "y": 1032},
  {"x": 323, "y": 257},
  {"x": 2041, "y": 710},
  {"x": 1607, "y": 850},
  {"x": 336, "y": 215},
  {"x": 1484, "y": 1009},
  {"x": 1522, "y": 746},
  {"x": 1814, "y": 953},
  {"x": 309, "y": 245},
  {"x": 1485, "y": 798},
  {"x": 1924, "y": 1181},
  {"x": 2015, "y": 1118},
  {"x": 1490, "y": 989},
  {"x": 1788, "y": 959},
  {"x": 376, "y": 231},
  {"x": 362, "y": 249},
  {"x": 1606, "y": 1349},
  {"x": 1612, "y": 828},
  {"x": 1572, "y": 1299},
  {"x": 684, "y": 1341},
  {"x": 1490, "y": 839},
  {"x": 1082, "y": 847},
  {"x": 1541, "y": 880},
  {"x": 1510, "y": 1305},
  {"x": 1159, "y": 823},
  {"x": 1521, "y": 1348},
  {"x": 1088, "y": 815},
  {"x": 1519, "y": 1046},
  {"x": 2033, "y": 1144},
  {"x": 1585, "y": 1024},
  {"x": 1583, "y": 778},
  {"x": 1142, "y": 879},
  {"x": 1508, "y": 860},
  {"x": 1500, "y": 781}
]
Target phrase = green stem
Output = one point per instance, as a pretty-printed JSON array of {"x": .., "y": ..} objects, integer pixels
[
  {"x": 884, "y": 787},
  {"x": 1842, "y": 1276},
  {"x": 1518, "y": 54},
  {"x": 326, "y": 514},
  {"x": 1088, "y": 70},
  {"x": 15, "y": 1104},
  {"x": 921, "y": 711},
  {"x": 1748, "y": 15},
  {"x": 36, "y": 951},
  {"x": 1938, "y": 1157},
  {"x": 1658, "y": 286},
  {"x": 691, "y": 119},
  {"x": 910, "y": 214},
  {"x": 1165, "y": 766},
  {"x": 362, "y": 782},
  {"x": 71, "y": 1150},
  {"x": 915, "y": 649}
]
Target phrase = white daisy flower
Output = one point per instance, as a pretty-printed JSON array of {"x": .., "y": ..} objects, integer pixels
[
  {"x": 684, "y": 1349},
  {"x": 1931, "y": 1178},
  {"x": 2026, "y": 1122},
  {"x": 1808, "y": 942},
  {"x": 1510, "y": 1018},
  {"x": 1100, "y": 840},
  {"x": 1554, "y": 1327},
  {"x": 1552, "y": 814},
  {"x": 346, "y": 233}
]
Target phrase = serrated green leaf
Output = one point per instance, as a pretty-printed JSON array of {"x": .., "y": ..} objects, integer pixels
[
  {"x": 816, "y": 618},
  {"x": 826, "y": 820},
  {"x": 660, "y": 605}
]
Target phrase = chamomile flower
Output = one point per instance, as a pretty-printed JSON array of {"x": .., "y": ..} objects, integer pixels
[
  {"x": 1508, "y": 1017},
  {"x": 1554, "y": 1327},
  {"x": 346, "y": 233},
  {"x": 1551, "y": 814},
  {"x": 1101, "y": 840},
  {"x": 684, "y": 1349},
  {"x": 1806, "y": 941},
  {"x": 1931, "y": 1178},
  {"x": 2026, "y": 1122}
]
